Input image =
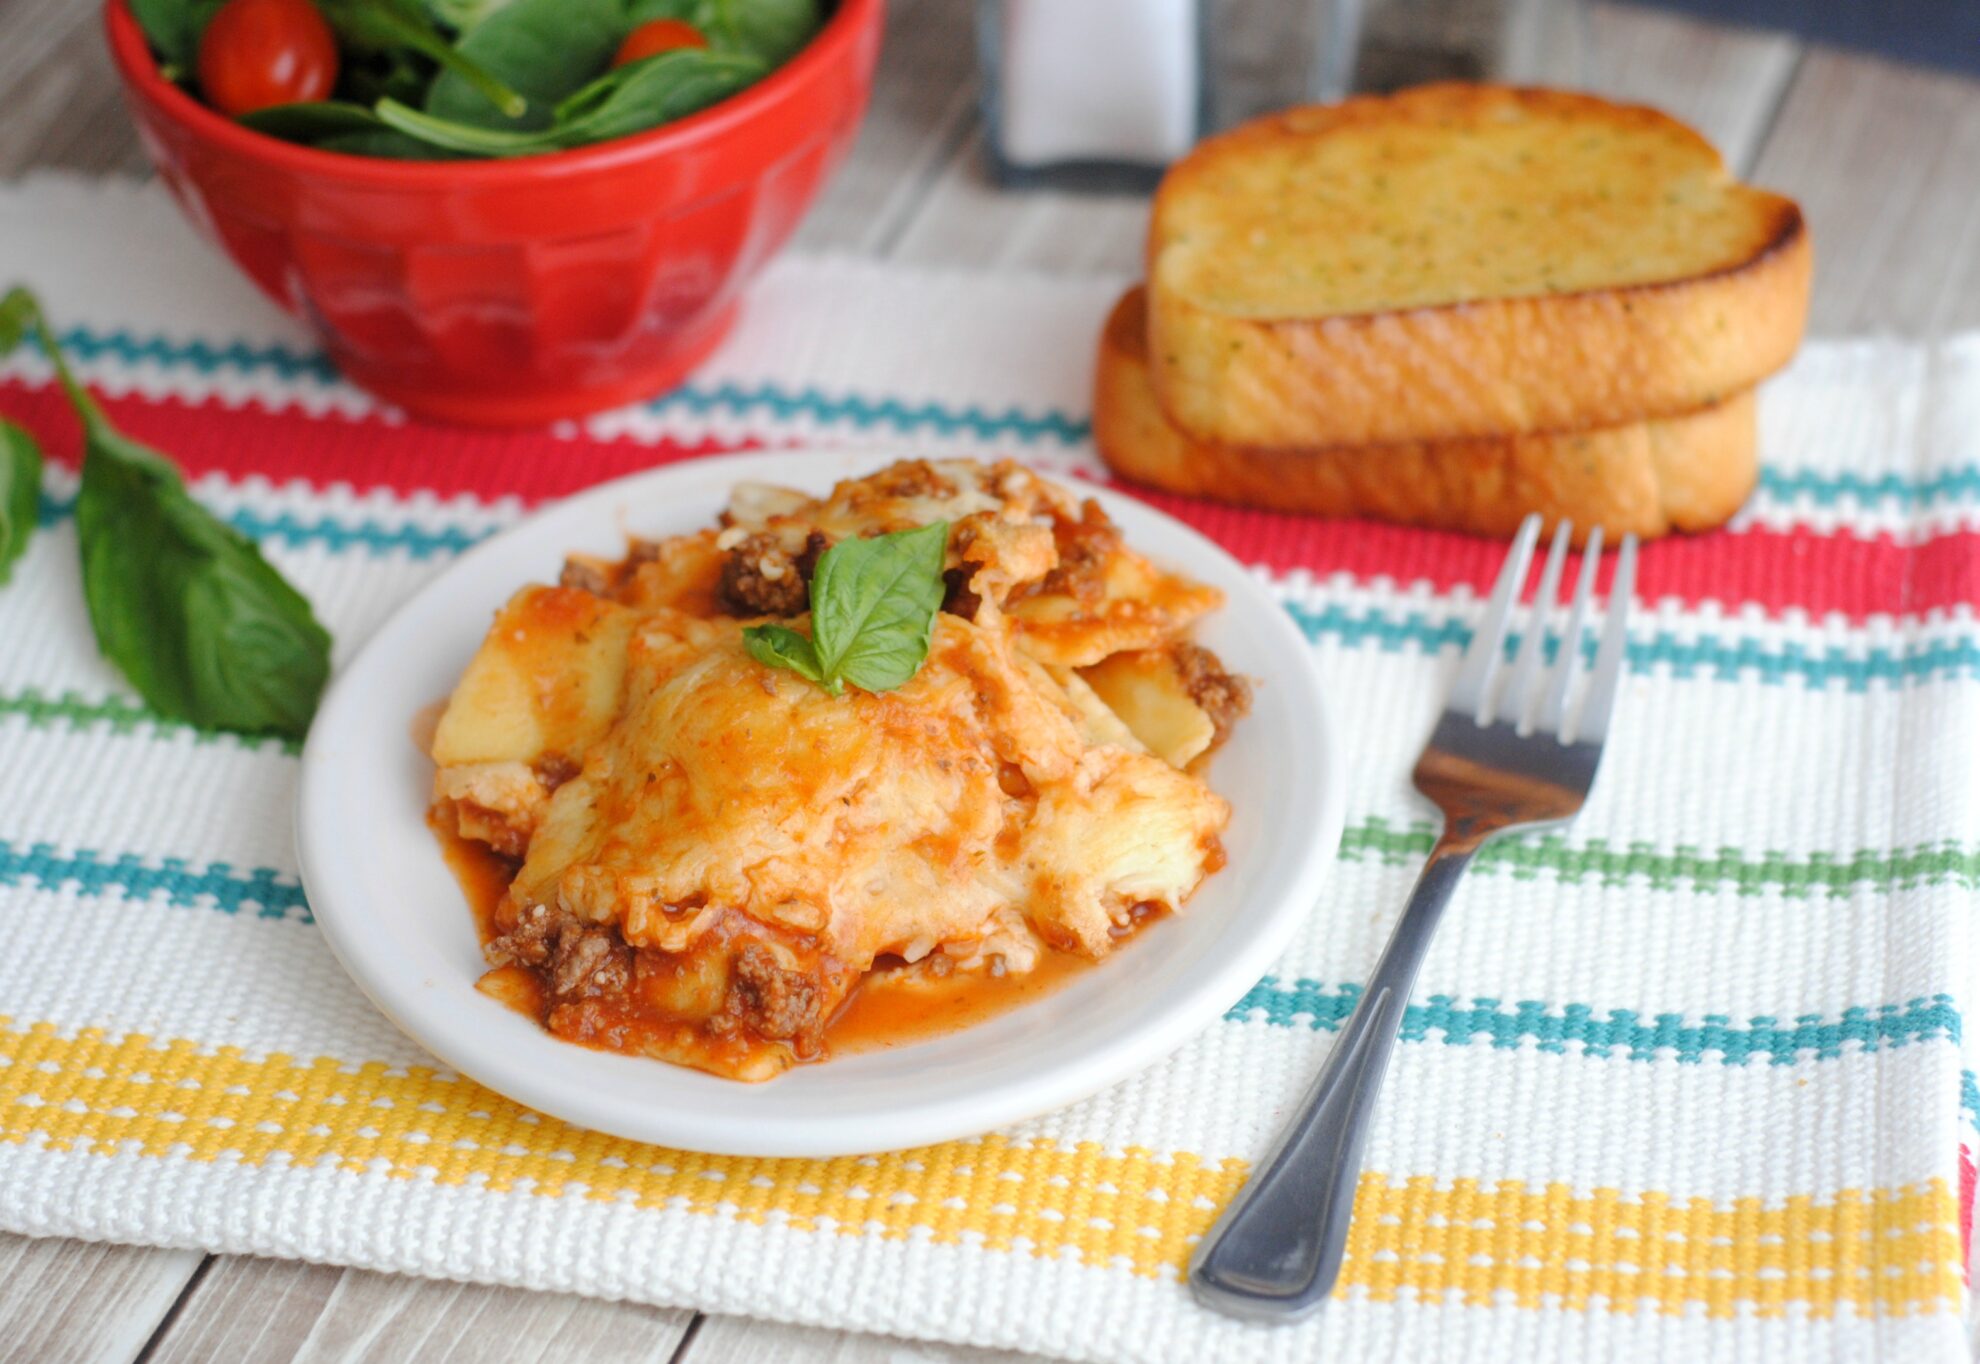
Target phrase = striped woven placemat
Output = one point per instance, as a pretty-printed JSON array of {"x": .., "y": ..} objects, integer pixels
[{"x": 1685, "y": 1082}]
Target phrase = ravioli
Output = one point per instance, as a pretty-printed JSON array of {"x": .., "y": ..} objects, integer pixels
[{"x": 712, "y": 854}]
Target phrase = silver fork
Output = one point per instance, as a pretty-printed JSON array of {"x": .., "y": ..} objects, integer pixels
[{"x": 1496, "y": 762}]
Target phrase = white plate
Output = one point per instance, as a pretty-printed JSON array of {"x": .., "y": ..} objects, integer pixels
[{"x": 395, "y": 916}]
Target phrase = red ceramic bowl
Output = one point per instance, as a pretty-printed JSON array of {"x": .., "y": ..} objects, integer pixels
[{"x": 509, "y": 292}]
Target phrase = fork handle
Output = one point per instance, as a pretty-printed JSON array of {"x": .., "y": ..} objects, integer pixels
[{"x": 1277, "y": 1249}]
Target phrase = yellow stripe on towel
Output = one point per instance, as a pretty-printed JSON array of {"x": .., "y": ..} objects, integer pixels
[{"x": 1885, "y": 1252}]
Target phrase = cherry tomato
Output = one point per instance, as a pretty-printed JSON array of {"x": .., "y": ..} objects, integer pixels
[
  {"x": 256, "y": 53},
  {"x": 651, "y": 39}
]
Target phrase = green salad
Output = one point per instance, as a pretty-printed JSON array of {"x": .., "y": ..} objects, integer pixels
[{"x": 448, "y": 79}]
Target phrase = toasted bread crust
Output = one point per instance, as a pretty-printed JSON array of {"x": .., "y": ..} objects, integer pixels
[
  {"x": 1629, "y": 339},
  {"x": 1644, "y": 478}
]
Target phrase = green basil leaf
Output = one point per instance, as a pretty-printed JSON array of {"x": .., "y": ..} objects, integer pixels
[
  {"x": 20, "y": 493},
  {"x": 185, "y": 605},
  {"x": 873, "y": 605},
  {"x": 545, "y": 49},
  {"x": 779, "y": 646},
  {"x": 652, "y": 92},
  {"x": 313, "y": 122},
  {"x": 18, "y": 311},
  {"x": 182, "y": 603},
  {"x": 173, "y": 28}
]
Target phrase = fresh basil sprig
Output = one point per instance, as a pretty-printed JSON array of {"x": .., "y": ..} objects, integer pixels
[
  {"x": 181, "y": 602},
  {"x": 20, "y": 493},
  {"x": 873, "y": 608}
]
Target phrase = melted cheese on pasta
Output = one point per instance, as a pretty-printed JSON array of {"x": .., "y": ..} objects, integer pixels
[{"x": 713, "y": 852}]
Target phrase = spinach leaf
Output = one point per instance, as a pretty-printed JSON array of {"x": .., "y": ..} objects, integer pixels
[
  {"x": 313, "y": 122},
  {"x": 335, "y": 126},
  {"x": 772, "y": 30},
  {"x": 469, "y": 138},
  {"x": 546, "y": 49},
  {"x": 462, "y": 15},
  {"x": 658, "y": 90},
  {"x": 20, "y": 493},
  {"x": 182, "y": 603},
  {"x": 393, "y": 73},
  {"x": 387, "y": 143},
  {"x": 173, "y": 28},
  {"x": 630, "y": 100},
  {"x": 385, "y": 26},
  {"x": 873, "y": 608}
]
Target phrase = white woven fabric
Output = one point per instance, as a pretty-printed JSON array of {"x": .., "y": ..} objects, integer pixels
[{"x": 1686, "y": 1082}]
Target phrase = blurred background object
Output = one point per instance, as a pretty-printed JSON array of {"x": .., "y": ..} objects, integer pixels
[
  {"x": 1520, "y": 42},
  {"x": 1102, "y": 94},
  {"x": 1053, "y": 114}
]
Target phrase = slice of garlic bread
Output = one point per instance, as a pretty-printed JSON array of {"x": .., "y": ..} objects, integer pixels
[
  {"x": 1680, "y": 473},
  {"x": 1458, "y": 261}
]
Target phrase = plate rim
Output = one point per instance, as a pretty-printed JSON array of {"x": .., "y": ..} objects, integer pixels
[{"x": 1064, "y": 1079}]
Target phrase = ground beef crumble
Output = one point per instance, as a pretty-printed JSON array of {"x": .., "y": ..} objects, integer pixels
[
  {"x": 588, "y": 976},
  {"x": 576, "y": 960},
  {"x": 910, "y": 478},
  {"x": 554, "y": 769},
  {"x": 958, "y": 599},
  {"x": 761, "y": 578},
  {"x": 1084, "y": 547},
  {"x": 585, "y": 576},
  {"x": 1224, "y": 696},
  {"x": 775, "y": 1002}
]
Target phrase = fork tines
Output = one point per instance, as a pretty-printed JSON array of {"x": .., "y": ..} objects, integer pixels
[{"x": 1523, "y": 702}]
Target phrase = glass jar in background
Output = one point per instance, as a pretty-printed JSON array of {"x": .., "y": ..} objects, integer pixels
[
  {"x": 1273, "y": 54},
  {"x": 1104, "y": 94},
  {"x": 1092, "y": 94},
  {"x": 1514, "y": 42}
]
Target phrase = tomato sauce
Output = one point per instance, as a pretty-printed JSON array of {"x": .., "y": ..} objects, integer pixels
[{"x": 891, "y": 1007}]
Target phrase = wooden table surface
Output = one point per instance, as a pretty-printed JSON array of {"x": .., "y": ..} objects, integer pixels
[{"x": 1884, "y": 158}]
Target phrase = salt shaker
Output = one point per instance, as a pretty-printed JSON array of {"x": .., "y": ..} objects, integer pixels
[{"x": 1092, "y": 94}]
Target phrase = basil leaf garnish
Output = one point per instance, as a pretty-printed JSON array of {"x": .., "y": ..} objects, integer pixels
[
  {"x": 181, "y": 602},
  {"x": 779, "y": 646},
  {"x": 873, "y": 608},
  {"x": 20, "y": 493}
]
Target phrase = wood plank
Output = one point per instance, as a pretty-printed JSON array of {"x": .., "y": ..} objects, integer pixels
[
  {"x": 1883, "y": 159},
  {"x": 1726, "y": 82},
  {"x": 64, "y": 105},
  {"x": 965, "y": 220},
  {"x": 922, "y": 105},
  {"x": 127, "y": 1290},
  {"x": 251, "y": 1309},
  {"x": 738, "y": 1340}
]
